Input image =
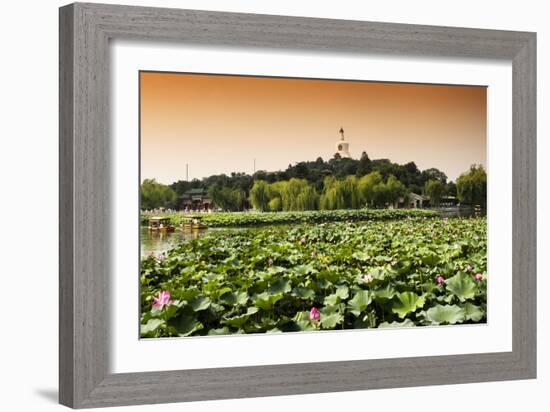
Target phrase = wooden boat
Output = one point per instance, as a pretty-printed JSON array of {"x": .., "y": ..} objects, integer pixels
[
  {"x": 193, "y": 222},
  {"x": 160, "y": 224}
]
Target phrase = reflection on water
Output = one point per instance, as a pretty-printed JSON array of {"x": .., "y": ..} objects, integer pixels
[
  {"x": 158, "y": 242},
  {"x": 464, "y": 211}
]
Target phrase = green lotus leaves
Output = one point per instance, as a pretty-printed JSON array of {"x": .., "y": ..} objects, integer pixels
[
  {"x": 473, "y": 312},
  {"x": 234, "y": 298},
  {"x": 445, "y": 314},
  {"x": 384, "y": 294},
  {"x": 221, "y": 331},
  {"x": 239, "y": 320},
  {"x": 341, "y": 293},
  {"x": 304, "y": 293},
  {"x": 303, "y": 322},
  {"x": 148, "y": 330},
  {"x": 266, "y": 300},
  {"x": 331, "y": 300},
  {"x": 407, "y": 302},
  {"x": 462, "y": 286},
  {"x": 200, "y": 303},
  {"x": 280, "y": 286},
  {"x": 240, "y": 219},
  {"x": 331, "y": 317},
  {"x": 273, "y": 330},
  {"x": 360, "y": 302},
  {"x": 407, "y": 323},
  {"x": 187, "y": 325},
  {"x": 379, "y": 273},
  {"x": 429, "y": 257},
  {"x": 362, "y": 256},
  {"x": 375, "y": 272},
  {"x": 304, "y": 270}
]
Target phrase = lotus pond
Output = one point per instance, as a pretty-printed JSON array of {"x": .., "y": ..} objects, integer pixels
[
  {"x": 241, "y": 219},
  {"x": 413, "y": 270}
]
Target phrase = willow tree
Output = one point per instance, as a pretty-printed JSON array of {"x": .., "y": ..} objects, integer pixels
[
  {"x": 396, "y": 190},
  {"x": 381, "y": 195},
  {"x": 227, "y": 198},
  {"x": 275, "y": 204},
  {"x": 352, "y": 195},
  {"x": 471, "y": 186},
  {"x": 154, "y": 195},
  {"x": 366, "y": 188},
  {"x": 259, "y": 195},
  {"x": 434, "y": 189},
  {"x": 275, "y": 193},
  {"x": 307, "y": 199},
  {"x": 333, "y": 194},
  {"x": 298, "y": 194}
]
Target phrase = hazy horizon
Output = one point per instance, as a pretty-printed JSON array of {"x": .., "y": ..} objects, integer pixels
[{"x": 219, "y": 124}]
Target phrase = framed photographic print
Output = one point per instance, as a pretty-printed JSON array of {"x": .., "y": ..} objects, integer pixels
[{"x": 258, "y": 205}]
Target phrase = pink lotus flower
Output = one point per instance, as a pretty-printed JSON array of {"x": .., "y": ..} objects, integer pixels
[
  {"x": 162, "y": 300},
  {"x": 469, "y": 268},
  {"x": 478, "y": 277},
  {"x": 440, "y": 279},
  {"x": 313, "y": 254},
  {"x": 270, "y": 261},
  {"x": 367, "y": 278},
  {"x": 161, "y": 257},
  {"x": 314, "y": 314},
  {"x": 303, "y": 240}
]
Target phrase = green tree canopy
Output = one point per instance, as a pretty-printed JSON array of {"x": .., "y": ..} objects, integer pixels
[
  {"x": 471, "y": 186},
  {"x": 435, "y": 190},
  {"x": 396, "y": 189},
  {"x": 307, "y": 184},
  {"x": 364, "y": 167},
  {"x": 367, "y": 185},
  {"x": 259, "y": 195},
  {"x": 228, "y": 198},
  {"x": 155, "y": 195}
]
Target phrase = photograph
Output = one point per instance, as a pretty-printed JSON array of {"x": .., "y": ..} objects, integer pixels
[{"x": 281, "y": 204}]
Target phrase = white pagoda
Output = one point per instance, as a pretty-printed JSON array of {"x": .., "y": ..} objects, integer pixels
[{"x": 342, "y": 147}]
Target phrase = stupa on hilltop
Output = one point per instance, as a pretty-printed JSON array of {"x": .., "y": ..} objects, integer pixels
[{"x": 342, "y": 146}]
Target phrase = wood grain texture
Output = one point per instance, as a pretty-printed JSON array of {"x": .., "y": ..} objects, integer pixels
[
  {"x": 85, "y": 31},
  {"x": 66, "y": 107}
]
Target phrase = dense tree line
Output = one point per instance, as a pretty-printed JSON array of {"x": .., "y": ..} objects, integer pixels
[
  {"x": 336, "y": 183},
  {"x": 154, "y": 195},
  {"x": 472, "y": 186}
]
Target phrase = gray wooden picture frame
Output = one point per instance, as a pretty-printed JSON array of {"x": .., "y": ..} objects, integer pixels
[{"x": 85, "y": 32}]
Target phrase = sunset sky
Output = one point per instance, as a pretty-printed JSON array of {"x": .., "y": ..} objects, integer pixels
[{"x": 220, "y": 124}]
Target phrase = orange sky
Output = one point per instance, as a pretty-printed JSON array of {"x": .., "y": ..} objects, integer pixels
[{"x": 220, "y": 124}]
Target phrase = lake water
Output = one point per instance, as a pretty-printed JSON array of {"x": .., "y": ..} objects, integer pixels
[
  {"x": 461, "y": 212},
  {"x": 156, "y": 242}
]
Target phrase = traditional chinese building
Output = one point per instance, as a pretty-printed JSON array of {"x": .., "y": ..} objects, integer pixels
[{"x": 196, "y": 199}]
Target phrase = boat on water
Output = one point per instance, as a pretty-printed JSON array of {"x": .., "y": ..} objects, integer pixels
[
  {"x": 160, "y": 224},
  {"x": 193, "y": 222}
]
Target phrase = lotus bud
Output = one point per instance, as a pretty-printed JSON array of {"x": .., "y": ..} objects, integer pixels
[{"x": 314, "y": 314}]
